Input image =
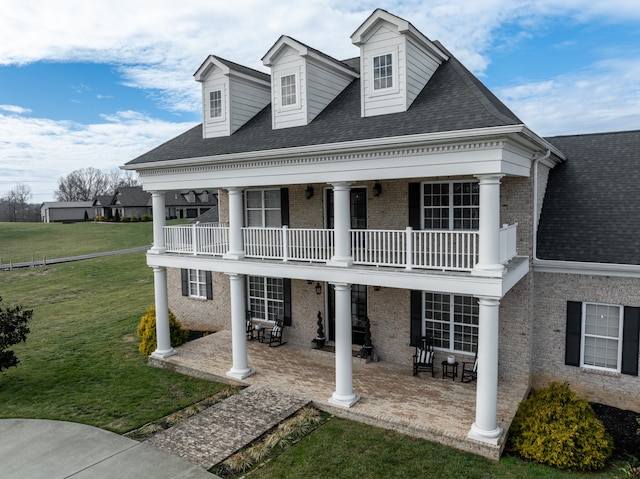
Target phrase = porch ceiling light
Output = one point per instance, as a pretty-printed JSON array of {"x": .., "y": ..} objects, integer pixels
[
  {"x": 318, "y": 288},
  {"x": 308, "y": 193},
  {"x": 377, "y": 189}
]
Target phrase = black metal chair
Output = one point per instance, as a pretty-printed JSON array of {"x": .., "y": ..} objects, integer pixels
[
  {"x": 470, "y": 370},
  {"x": 273, "y": 336},
  {"x": 249, "y": 326},
  {"x": 424, "y": 356}
]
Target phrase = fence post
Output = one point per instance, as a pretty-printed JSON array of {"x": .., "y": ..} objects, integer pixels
[
  {"x": 194, "y": 238},
  {"x": 409, "y": 243}
]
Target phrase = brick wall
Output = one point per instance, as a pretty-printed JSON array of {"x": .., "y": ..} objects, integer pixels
[{"x": 552, "y": 291}]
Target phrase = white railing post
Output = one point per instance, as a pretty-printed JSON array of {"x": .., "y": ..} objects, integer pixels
[
  {"x": 194, "y": 239},
  {"x": 285, "y": 243},
  {"x": 409, "y": 242}
]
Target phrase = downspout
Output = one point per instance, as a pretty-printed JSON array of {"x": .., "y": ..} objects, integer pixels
[{"x": 534, "y": 252}]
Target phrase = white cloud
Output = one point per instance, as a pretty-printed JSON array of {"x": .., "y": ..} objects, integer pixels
[
  {"x": 37, "y": 151},
  {"x": 14, "y": 109}
]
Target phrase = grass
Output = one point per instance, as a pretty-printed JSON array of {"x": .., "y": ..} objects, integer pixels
[
  {"x": 80, "y": 362},
  {"x": 22, "y": 242},
  {"x": 345, "y": 449}
]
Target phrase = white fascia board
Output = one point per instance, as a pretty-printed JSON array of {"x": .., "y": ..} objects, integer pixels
[
  {"x": 346, "y": 147},
  {"x": 283, "y": 42},
  {"x": 586, "y": 268},
  {"x": 455, "y": 283}
]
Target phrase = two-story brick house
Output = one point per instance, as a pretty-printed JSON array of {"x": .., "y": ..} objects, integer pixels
[{"x": 394, "y": 185}]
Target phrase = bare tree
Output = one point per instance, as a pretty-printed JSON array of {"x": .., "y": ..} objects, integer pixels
[
  {"x": 116, "y": 179},
  {"x": 17, "y": 202},
  {"x": 82, "y": 185}
]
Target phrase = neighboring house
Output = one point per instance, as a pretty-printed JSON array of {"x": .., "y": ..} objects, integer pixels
[
  {"x": 102, "y": 206},
  {"x": 66, "y": 211},
  {"x": 190, "y": 204},
  {"x": 131, "y": 201},
  {"x": 403, "y": 187}
]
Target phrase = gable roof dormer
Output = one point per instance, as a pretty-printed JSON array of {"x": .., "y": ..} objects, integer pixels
[
  {"x": 231, "y": 95},
  {"x": 303, "y": 81},
  {"x": 396, "y": 62}
]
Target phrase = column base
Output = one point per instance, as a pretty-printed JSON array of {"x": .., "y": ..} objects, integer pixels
[
  {"x": 489, "y": 270},
  {"x": 165, "y": 353},
  {"x": 232, "y": 255},
  {"x": 240, "y": 373},
  {"x": 340, "y": 262},
  {"x": 344, "y": 401},
  {"x": 154, "y": 250},
  {"x": 489, "y": 437}
]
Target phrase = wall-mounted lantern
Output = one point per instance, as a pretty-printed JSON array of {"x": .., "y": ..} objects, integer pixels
[
  {"x": 308, "y": 193},
  {"x": 377, "y": 189}
]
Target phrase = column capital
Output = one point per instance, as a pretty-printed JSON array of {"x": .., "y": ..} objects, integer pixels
[{"x": 490, "y": 178}]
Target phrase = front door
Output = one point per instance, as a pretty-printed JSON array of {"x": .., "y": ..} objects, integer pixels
[{"x": 358, "y": 210}]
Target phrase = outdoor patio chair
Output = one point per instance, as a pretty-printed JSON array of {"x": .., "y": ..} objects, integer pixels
[
  {"x": 273, "y": 336},
  {"x": 424, "y": 355},
  {"x": 249, "y": 325},
  {"x": 470, "y": 370}
]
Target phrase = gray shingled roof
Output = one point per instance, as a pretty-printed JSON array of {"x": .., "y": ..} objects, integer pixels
[
  {"x": 591, "y": 210},
  {"x": 452, "y": 100},
  {"x": 132, "y": 196}
]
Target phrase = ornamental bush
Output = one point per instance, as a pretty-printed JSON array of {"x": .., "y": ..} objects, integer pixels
[
  {"x": 147, "y": 332},
  {"x": 13, "y": 330},
  {"x": 554, "y": 426}
]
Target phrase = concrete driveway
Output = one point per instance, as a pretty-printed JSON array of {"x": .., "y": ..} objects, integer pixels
[{"x": 35, "y": 448}]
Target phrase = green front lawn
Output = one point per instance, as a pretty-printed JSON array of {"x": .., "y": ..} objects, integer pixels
[{"x": 80, "y": 362}]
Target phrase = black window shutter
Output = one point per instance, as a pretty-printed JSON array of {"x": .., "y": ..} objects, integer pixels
[
  {"x": 574, "y": 333},
  {"x": 184, "y": 278},
  {"x": 284, "y": 205},
  {"x": 415, "y": 220},
  {"x": 286, "y": 287},
  {"x": 416, "y": 317},
  {"x": 209, "y": 283},
  {"x": 630, "y": 339}
]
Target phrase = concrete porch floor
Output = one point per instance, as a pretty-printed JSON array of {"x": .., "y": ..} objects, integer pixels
[{"x": 436, "y": 409}]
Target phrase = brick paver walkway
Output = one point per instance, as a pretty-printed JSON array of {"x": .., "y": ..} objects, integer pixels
[{"x": 222, "y": 429}]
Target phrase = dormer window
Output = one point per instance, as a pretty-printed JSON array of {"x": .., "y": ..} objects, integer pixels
[
  {"x": 383, "y": 71},
  {"x": 215, "y": 104},
  {"x": 288, "y": 90}
]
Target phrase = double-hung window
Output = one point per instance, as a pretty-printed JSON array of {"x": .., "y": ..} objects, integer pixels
[
  {"x": 383, "y": 71},
  {"x": 266, "y": 298},
  {"x": 602, "y": 336},
  {"x": 452, "y": 205},
  {"x": 215, "y": 104},
  {"x": 263, "y": 208},
  {"x": 452, "y": 321},
  {"x": 288, "y": 90}
]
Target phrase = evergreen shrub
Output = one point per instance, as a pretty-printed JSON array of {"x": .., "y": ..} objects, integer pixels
[
  {"x": 146, "y": 218},
  {"x": 554, "y": 426},
  {"x": 147, "y": 332}
]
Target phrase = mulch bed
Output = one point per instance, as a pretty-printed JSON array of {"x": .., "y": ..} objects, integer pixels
[
  {"x": 194, "y": 334},
  {"x": 623, "y": 427}
]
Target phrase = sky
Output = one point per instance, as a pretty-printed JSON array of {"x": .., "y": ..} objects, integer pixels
[{"x": 98, "y": 83}]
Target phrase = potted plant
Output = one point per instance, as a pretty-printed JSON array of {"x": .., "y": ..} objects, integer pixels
[{"x": 318, "y": 341}]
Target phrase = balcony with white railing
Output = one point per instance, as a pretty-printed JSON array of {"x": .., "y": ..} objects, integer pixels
[{"x": 408, "y": 249}]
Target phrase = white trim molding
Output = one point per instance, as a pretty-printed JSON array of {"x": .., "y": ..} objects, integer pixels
[{"x": 585, "y": 268}]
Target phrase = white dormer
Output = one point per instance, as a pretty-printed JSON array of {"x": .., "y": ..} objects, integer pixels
[
  {"x": 303, "y": 81},
  {"x": 396, "y": 62},
  {"x": 231, "y": 95}
]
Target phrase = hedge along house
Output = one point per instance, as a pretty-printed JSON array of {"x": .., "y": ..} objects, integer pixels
[{"x": 396, "y": 185}]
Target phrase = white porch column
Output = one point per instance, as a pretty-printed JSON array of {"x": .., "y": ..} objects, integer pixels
[
  {"x": 489, "y": 248},
  {"x": 240, "y": 368},
  {"x": 343, "y": 395},
  {"x": 163, "y": 334},
  {"x": 342, "y": 225},
  {"x": 159, "y": 222},
  {"x": 485, "y": 427},
  {"x": 236, "y": 243}
]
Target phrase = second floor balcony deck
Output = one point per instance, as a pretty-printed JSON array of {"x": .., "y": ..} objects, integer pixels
[{"x": 407, "y": 249}]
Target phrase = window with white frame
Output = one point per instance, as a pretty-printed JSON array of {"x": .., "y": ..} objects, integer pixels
[
  {"x": 288, "y": 90},
  {"x": 266, "y": 297},
  {"x": 451, "y": 205},
  {"x": 263, "y": 208},
  {"x": 215, "y": 104},
  {"x": 383, "y": 71},
  {"x": 452, "y": 321},
  {"x": 197, "y": 283},
  {"x": 602, "y": 335}
]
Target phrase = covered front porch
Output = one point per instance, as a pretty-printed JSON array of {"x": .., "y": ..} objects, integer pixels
[{"x": 435, "y": 409}]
